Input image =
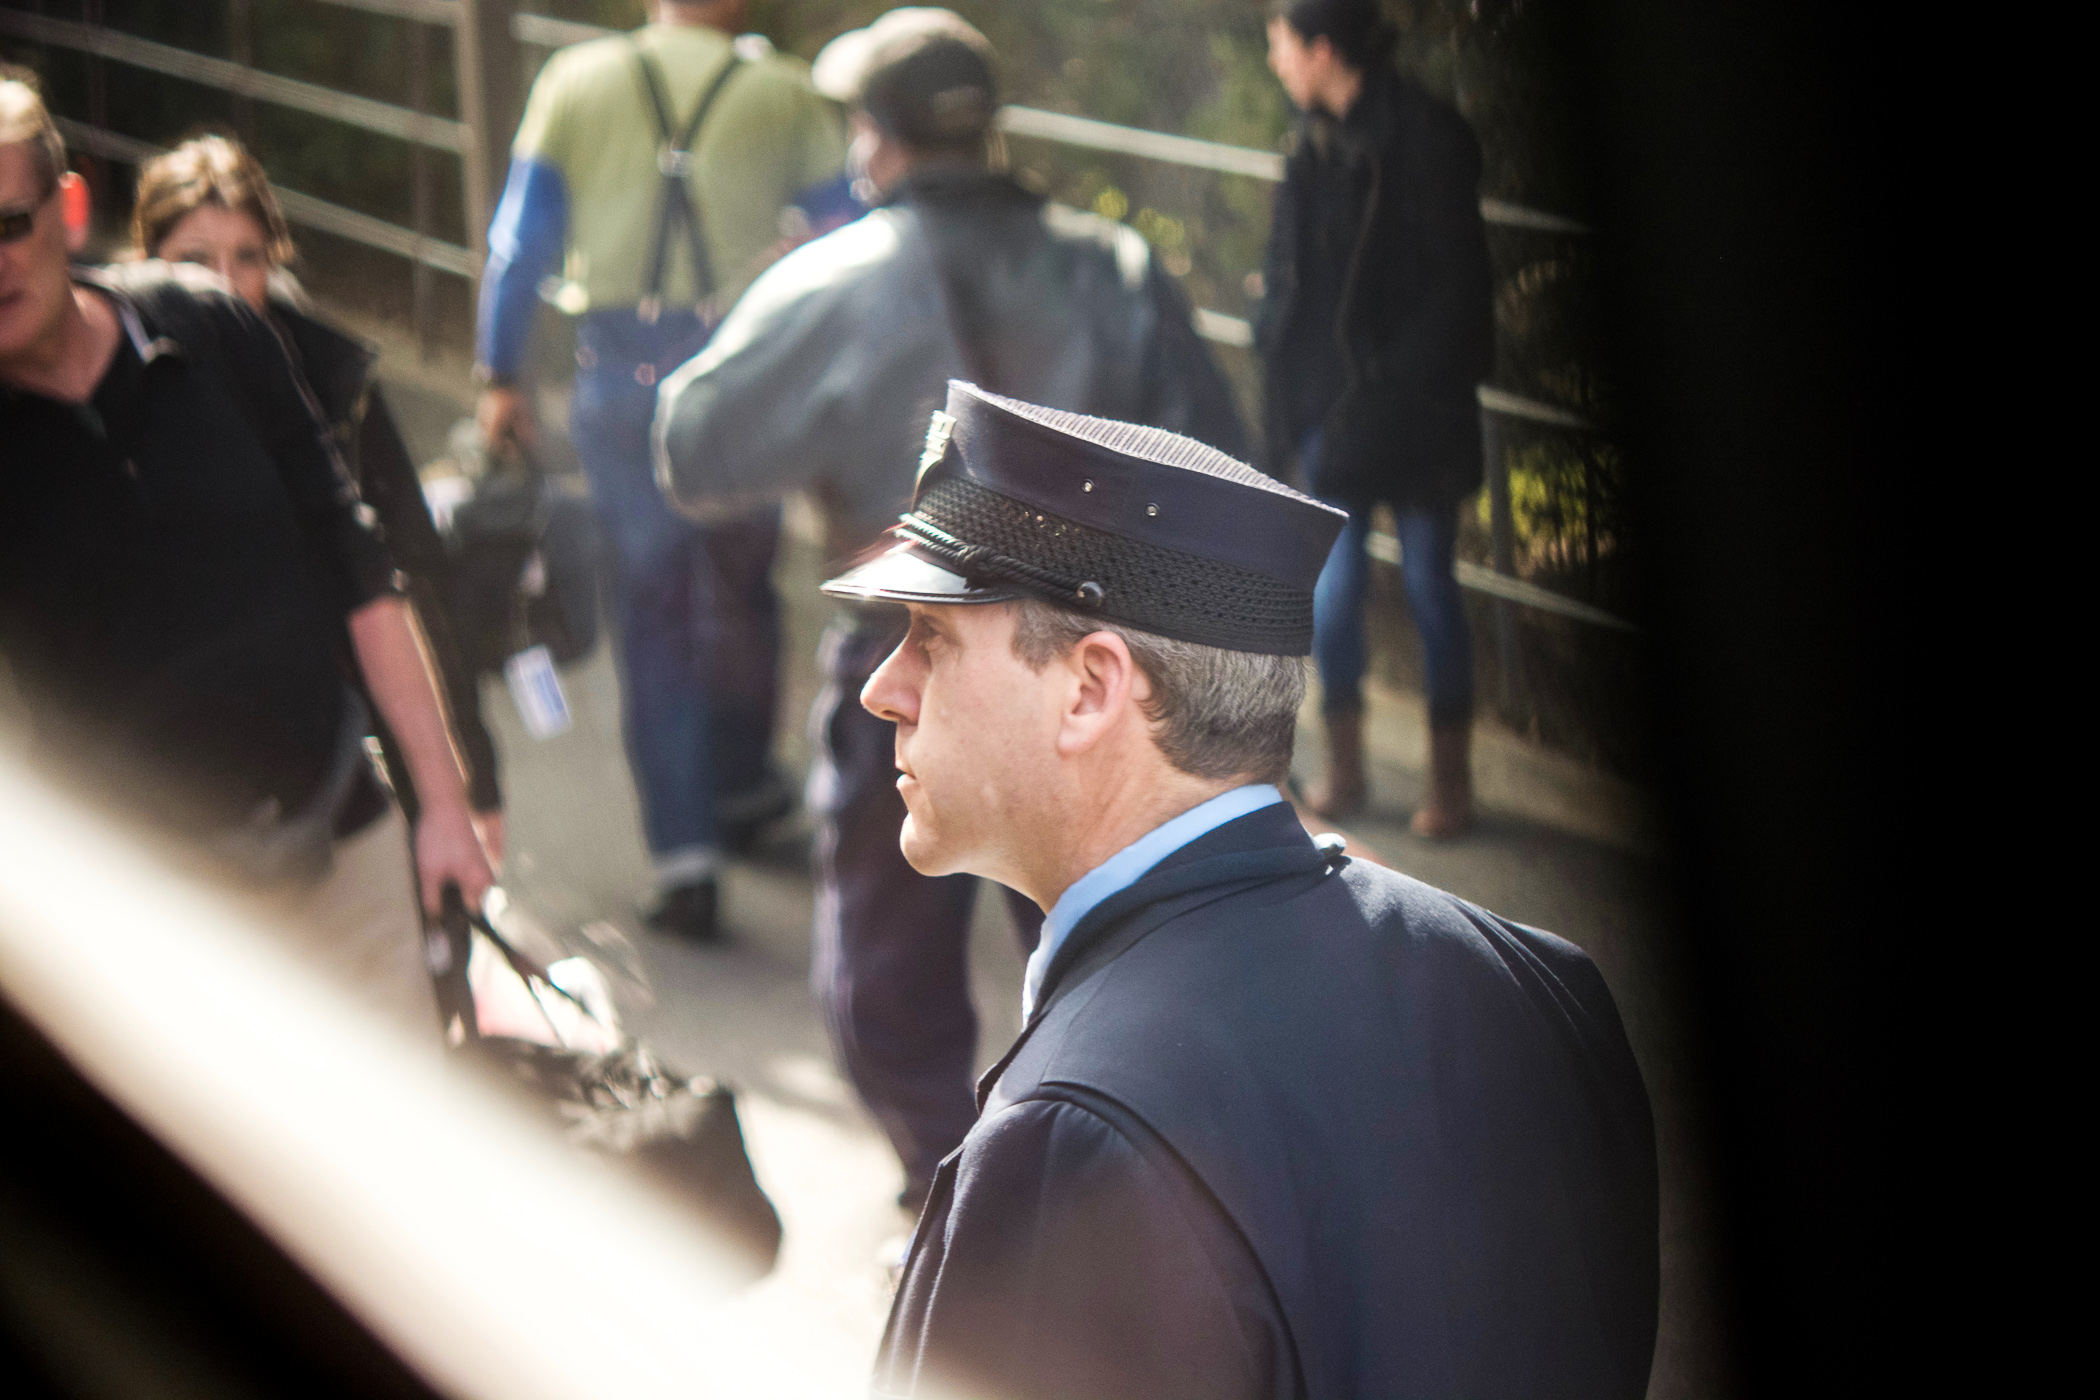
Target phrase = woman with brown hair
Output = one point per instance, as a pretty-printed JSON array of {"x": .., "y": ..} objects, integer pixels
[{"x": 208, "y": 202}]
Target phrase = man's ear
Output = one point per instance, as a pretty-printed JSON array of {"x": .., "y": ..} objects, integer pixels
[
  {"x": 1107, "y": 684},
  {"x": 74, "y": 207}
]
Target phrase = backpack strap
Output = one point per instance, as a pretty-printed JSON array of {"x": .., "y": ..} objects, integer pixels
[{"x": 674, "y": 162}]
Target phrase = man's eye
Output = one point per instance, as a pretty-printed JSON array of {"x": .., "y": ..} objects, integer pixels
[{"x": 925, "y": 636}]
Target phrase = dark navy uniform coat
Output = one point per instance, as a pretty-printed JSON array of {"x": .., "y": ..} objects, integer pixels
[{"x": 1289, "y": 1125}]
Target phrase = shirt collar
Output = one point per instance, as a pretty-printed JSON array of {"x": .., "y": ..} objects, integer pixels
[
  {"x": 147, "y": 346},
  {"x": 1127, "y": 866}
]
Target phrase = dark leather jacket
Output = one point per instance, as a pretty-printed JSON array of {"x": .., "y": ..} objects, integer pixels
[
  {"x": 1378, "y": 321},
  {"x": 824, "y": 375}
]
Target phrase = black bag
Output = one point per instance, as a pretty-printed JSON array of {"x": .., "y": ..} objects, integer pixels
[
  {"x": 679, "y": 1133},
  {"x": 524, "y": 569}
]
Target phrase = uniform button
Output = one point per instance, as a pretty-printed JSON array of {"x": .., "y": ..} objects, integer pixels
[
  {"x": 1086, "y": 486},
  {"x": 645, "y": 375},
  {"x": 1151, "y": 510}
]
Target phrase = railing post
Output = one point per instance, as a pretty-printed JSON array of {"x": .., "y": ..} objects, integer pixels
[
  {"x": 1502, "y": 540},
  {"x": 240, "y": 24},
  {"x": 96, "y": 169},
  {"x": 489, "y": 104},
  {"x": 419, "y": 273}
]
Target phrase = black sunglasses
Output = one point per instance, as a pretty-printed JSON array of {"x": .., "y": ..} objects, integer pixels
[{"x": 16, "y": 223}]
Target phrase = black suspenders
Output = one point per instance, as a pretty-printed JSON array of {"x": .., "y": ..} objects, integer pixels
[{"x": 674, "y": 201}]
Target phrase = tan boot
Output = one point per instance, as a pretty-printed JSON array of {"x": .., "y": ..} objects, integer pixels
[
  {"x": 1449, "y": 808},
  {"x": 1341, "y": 793}
]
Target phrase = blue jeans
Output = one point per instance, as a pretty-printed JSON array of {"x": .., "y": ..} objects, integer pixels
[
  {"x": 1428, "y": 541},
  {"x": 699, "y": 625}
]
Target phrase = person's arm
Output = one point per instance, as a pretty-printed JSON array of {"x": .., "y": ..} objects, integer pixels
[
  {"x": 387, "y": 479},
  {"x": 397, "y": 673},
  {"x": 526, "y": 237},
  {"x": 762, "y": 411}
]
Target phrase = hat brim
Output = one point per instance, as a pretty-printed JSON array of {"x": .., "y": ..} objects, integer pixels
[{"x": 901, "y": 574}]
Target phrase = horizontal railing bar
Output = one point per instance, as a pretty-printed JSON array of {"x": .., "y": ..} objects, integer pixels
[
  {"x": 378, "y": 233},
  {"x": 299, "y": 208},
  {"x": 1135, "y": 141},
  {"x": 82, "y": 137},
  {"x": 1496, "y": 211},
  {"x": 1517, "y": 406},
  {"x": 1213, "y": 155},
  {"x": 1386, "y": 549},
  {"x": 549, "y": 33},
  {"x": 1530, "y": 595},
  {"x": 381, "y": 117},
  {"x": 1225, "y": 330},
  {"x": 428, "y": 11},
  {"x": 1216, "y": 326}
]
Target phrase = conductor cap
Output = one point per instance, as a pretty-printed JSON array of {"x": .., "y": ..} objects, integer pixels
[{"x": 1130, "y": 524}]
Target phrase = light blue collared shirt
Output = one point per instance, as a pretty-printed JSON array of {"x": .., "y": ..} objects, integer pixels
[{"x": 1122, "y": 870}]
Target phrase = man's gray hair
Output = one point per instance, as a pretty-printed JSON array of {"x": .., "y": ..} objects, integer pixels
[
  {"x": 1220, "y": 714},
  {"x": 24, "y": 118}
]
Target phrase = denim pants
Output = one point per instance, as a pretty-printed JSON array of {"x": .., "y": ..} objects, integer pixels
[
  {"x": 890, "y": 967},
  {"x": 698, "y": 622},
  {"x": 1428, "y": 541}
]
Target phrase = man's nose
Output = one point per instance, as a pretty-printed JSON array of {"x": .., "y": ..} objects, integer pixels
[{"x": 892, "y": 692}]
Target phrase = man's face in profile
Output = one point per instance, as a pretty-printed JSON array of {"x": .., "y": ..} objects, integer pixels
[
  {"x": 976, "y": 734},
  {"x": 33, "y": 280}
]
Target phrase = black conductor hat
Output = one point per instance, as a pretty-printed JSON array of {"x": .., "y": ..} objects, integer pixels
[{"x": 1129, "y": 524}]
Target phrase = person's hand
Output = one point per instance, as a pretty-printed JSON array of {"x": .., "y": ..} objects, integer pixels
[
  {"x": 489, "y": 827},
  {"x": 448, "y": 852},
  {"x": 505, "y": 418}
]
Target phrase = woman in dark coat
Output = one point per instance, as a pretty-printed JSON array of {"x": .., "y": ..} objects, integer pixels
[
  {"x": 209, "y": 202},
  {"x": 1376, "y": 327}
]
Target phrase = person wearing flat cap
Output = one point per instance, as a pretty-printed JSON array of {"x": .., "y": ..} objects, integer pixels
[
  {"x": 821, "y": 380},
  {"x": 1279, "y": 1123}
]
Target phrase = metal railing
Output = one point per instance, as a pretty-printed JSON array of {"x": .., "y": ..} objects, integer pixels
[
  {"x": 477, "y": 23},
  {"x": 299, "y": 208},
  {"x": 241, "y": 80}
]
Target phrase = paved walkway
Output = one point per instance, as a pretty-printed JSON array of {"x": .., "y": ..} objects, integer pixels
[{"x": 743, "y": 1012}]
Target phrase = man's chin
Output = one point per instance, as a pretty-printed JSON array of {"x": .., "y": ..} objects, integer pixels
[{"x": 923, "y": 852}]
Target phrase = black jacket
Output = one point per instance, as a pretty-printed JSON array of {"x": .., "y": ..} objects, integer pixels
[
  {"x": 177, "y": 556},
  {"x": 339, "y": 369},
  {"x": 1377, "y": 324},
  {"x": 824, "y": 374},
  {"x": 1286, "y": 1125}
]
